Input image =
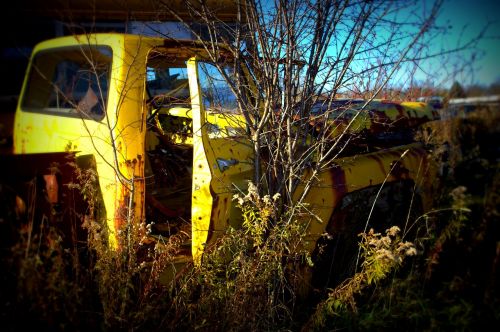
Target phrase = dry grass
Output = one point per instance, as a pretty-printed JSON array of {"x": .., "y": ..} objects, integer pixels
[{"x": 253, "y": 277}]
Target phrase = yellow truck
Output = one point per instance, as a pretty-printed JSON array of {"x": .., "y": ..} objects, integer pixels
[{"x": 158, "y": 124}]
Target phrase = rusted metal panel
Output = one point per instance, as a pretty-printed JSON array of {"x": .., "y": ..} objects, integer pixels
[{"x": 46, "y": 185}]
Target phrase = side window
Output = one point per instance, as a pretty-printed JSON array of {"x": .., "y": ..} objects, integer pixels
[
  {"x": 216, "y": 94},
  {"x": 65, "y": 82}
]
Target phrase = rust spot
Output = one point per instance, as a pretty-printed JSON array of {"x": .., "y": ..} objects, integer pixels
[
  {"x": 380, "y": 165},
  {"x": 400, "y": 110},
  {"x": 120, "y": 217},
  {"x": 20, "y": 207},
  {"x": 200, "y": 166},
  {"x": 399, "y": 171},
  {"x": 52, "y": 188},
  {"x": 338, "y": 180}
]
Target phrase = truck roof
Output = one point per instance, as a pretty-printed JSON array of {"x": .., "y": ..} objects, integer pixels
[{"x": 184, "y": 48}]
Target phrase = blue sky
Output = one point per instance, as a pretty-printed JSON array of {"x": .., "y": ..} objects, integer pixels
[
  {"x": 465, "y": 19},
  {"x": 452, "y": 51}
]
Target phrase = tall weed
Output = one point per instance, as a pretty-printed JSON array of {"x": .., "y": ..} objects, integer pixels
[{"x": 247, "y": 280}]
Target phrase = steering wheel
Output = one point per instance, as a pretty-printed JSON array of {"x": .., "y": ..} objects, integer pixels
[{"x": 160, "y": 101}]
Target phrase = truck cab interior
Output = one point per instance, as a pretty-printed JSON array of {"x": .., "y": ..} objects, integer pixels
[{"x": 169, "y": 148}]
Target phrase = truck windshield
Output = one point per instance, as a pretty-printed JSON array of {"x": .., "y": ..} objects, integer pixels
[
  {"x": 215, "y": 90},
  {"x": 70, "y": 81}
]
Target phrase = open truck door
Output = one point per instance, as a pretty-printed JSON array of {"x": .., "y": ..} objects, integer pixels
[
  {"x": 222, "y": 153},
  {"x": 198, "y": 151}
]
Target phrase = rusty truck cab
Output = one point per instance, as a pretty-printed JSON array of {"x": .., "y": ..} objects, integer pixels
[
  {"x": 169, "y": 146},
  {"x": 157, "y": 119}
]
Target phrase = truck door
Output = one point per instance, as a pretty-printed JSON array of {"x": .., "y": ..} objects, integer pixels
[{"x": 222, "y": 153}]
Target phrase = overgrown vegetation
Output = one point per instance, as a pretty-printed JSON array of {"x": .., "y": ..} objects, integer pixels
[
  {"x": 451, "y": 284},
  {"x": 438, "y": 273},
  {"x": 445, "y": 277}
]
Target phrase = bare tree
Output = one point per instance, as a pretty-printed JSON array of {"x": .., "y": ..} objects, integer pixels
[{"x": 303, "y": 55}]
